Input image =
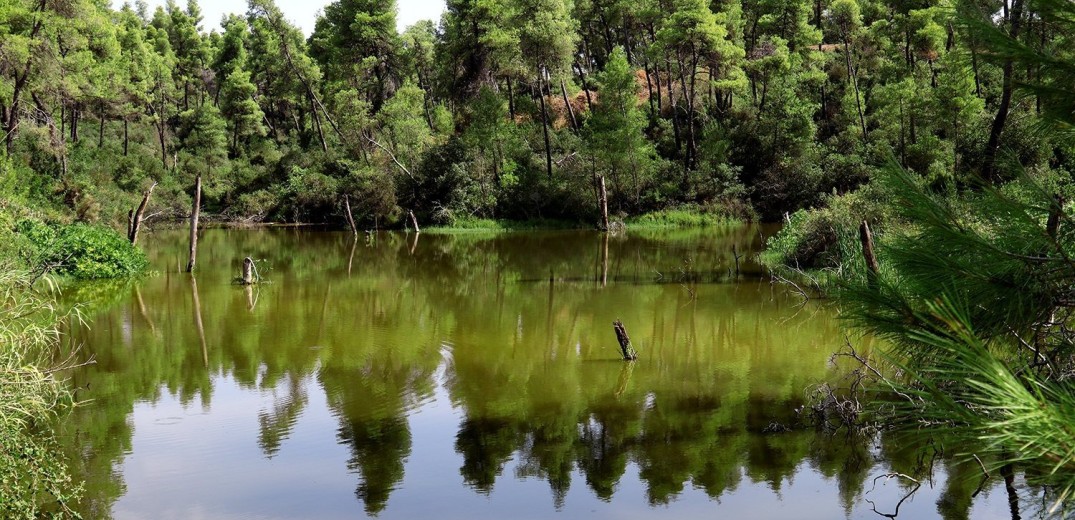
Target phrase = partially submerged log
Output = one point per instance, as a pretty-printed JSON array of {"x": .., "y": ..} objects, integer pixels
[{"x": 628, "y": 352}]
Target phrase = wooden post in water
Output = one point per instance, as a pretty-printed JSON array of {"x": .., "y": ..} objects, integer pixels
[
  {"x": 626, "y": 349},
  {"x": 194, "y": 223},
  {"x": 602, "y": 197},
  {"x": 350, "y": 217},
  {"x": 136, "y": 220},
  {"x": 414, "y": 222},
  {"x": 867, "y": 247}
]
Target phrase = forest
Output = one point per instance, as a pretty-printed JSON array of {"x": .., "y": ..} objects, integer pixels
[
  {"x": 918, "y": 153},
  {"x": 511, "y": 109}
]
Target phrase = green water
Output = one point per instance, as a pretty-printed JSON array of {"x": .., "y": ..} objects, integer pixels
[{"x": 474, "y": 376}]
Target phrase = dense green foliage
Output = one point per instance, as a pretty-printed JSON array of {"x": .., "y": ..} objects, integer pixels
[
  {"x": 974, "y": 284},
  {"x": 35, "y": 481},
  {"x": 80, "y": 250},
  {"x": 974, "y": 296},
  {"x": 508, "y": 110}
]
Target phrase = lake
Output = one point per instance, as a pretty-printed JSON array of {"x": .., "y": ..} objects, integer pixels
[{"x": 478, "y": 376}]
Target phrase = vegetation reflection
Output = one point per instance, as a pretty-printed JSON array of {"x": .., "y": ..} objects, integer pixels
[{"x": 516, "y": 330}]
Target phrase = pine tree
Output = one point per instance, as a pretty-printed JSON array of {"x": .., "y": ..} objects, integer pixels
[{"x": 614, "y": 133}]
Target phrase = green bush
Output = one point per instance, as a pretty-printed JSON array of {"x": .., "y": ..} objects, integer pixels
[
  {"x": 80, "y": 250},
  {"x": 827, "y": 237}
]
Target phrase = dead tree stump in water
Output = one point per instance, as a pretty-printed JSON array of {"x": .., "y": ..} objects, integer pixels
[
  {"x": 194, "y": 223},
  {"x": 414, "y": 221},
  {"x": 249, "y": 276},
  {"x": 626, "y": 349}
]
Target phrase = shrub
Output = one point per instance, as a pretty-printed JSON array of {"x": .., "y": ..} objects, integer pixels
[
  {"x": 80, "y": 250},
  {"x": 826, "y": 237}
]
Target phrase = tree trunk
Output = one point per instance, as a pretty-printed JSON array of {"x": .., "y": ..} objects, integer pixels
[
  {"x": 993, "y": 145},
  {"x": 855, "y": 83},
  {"x": 317, "y": 124},
  {"x": 161, "y": 131},
  {"x": 603, "y": 201},
  {"x": 511, "y": 101},
  {"x": 194, "y": 223},
  {"x": 11, "y": 112},
  {"x": 414, "y": 222},
  {"x": 649, "y": 87},
  {"x": 136, "y": 220},
  {"x": 545, "y": 131},
  {"x": 867, "y": 247},
  {"x": 74, "y": 122},
  {"x": 350, "y": 217},
  {"x": 1052, "y": 225},
  {"x": 567, "y": 105},
  {"x": 585, "y": 89}
]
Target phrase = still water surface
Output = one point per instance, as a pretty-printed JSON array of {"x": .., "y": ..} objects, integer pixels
[{"x": 475, "y": 376}]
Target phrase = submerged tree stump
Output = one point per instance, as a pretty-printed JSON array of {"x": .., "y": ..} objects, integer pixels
[
  {"x": 249, "y": 274},
  {"x": 195, "y": 211},
  {"x": 626, "y": 349}
]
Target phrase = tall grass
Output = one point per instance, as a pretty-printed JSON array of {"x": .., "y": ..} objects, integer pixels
[
  {"x": 681, "y": 218},
  {"x": 34, "y": 480}
]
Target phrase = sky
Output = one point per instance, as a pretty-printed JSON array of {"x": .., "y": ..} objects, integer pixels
[{"x": 301, "y": 12}]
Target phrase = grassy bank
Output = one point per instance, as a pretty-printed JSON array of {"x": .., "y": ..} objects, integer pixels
[
  {"x": 681, "y": 218},
  {"x": 665, "y": 219}
]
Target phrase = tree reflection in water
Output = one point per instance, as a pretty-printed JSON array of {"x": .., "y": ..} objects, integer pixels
[{"x": 513, "y": 332}]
